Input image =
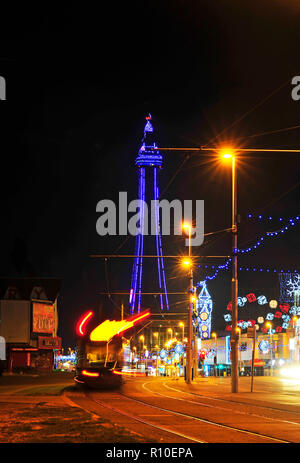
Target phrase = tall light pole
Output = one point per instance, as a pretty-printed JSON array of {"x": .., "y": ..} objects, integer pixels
[
  {"x": 214, "y": 335},
  {"x": 189, "y": 347},
  {"x": 228, "y": 154},
  {"x": 269, "y": 325},
  {"x": 182, "y": 326}
]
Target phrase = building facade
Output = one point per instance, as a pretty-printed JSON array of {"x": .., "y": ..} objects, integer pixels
[{"x": 29, "y": 323}]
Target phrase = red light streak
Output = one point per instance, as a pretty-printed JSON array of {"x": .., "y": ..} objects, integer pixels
[
  {"x": 89, "y": 373},
  {"x": 129, "y": 373},
  {"x": 82, "y": 322},
  {"x": 77, "y": 380}
]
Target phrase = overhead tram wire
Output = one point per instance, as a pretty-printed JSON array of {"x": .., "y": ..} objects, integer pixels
[
  {"x": 251, "y": 110},
  {"x": 271, "y": 132}
]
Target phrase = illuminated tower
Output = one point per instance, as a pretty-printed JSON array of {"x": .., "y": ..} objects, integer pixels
[
  {"x": 149, "y": 163},
  {"x": 204, "y": 308}
]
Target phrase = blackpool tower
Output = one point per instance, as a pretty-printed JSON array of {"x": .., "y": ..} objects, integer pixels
[{"x": 148, "y": 163}]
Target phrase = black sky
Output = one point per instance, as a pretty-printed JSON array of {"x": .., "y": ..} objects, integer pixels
[{"x": 79, "y": 83}]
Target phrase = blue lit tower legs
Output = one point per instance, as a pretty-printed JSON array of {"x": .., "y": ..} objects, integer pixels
[{"x": 148, "y": 162}]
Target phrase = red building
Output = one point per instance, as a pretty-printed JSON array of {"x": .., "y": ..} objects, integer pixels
[{"x": 29, "y": 322}]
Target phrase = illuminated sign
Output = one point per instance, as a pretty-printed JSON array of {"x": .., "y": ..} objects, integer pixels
[
  {"x": 43, "y": 320},
  {"x": 47, "y": 342}
]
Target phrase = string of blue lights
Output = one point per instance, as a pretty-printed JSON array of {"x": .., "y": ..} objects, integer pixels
[
  {"x": 291, "y": 223},
  {"x": 253, "y": 269},
  {"x": 269, "y": 219}
]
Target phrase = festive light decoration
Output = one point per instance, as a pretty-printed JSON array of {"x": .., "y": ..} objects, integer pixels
[
  {"x": 257, "y": 269},
  {"x": 264, "y": 347},
  {"x": 273, "y": 304},
  {"x": 290, "y": 224},
  {"x": 204, "y": 306},
  {"x": 163, "y": 354},
  {"x": 148, "y": 159},
  {"x": 283, "y": 312},
  {"x": 279, "y": 232},
  {"x": 179, "y": 349},
  {"x": 269, "y": 218}
]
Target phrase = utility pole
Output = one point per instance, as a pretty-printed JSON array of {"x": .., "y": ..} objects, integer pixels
[
  {"x": 189, "y": 347},
  {"x": 234, "y": 285}
]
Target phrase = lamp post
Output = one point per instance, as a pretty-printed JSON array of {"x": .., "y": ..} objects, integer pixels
[
  {"x": 269, "y": 325},
  {"x": 182, "y": 326},
  {"x": 239, "y": 331},
  {"x": 214, "y": 335},
  {"x": 228, "y": 154},
  {"x": 142, "y": 338},
  {"x": 155, "y": 335},
  {"x": 189, "y": 347}
]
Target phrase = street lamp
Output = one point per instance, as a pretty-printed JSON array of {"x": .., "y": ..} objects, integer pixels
[
  {"x": 239, "y": 331},
  {"x": 295, "y": 319},
  {"x": 269, "y": 325},
  {"x": 228, "y": 154},
  {"x": 142, "y": 338},
  {"x": 187, "y": 262},
  {"x": 155, "y": 335},
  {"x": 214, "y": 335},
  {"x": 182, "y": 326}
]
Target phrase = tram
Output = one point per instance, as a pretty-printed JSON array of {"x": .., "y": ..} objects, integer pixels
[{"x": 100, "y": 349}]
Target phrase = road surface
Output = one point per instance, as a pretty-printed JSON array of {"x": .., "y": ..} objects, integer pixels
[{"x": 170, "y": 411}]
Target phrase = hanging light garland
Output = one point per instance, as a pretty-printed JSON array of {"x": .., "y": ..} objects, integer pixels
[{"x": 291, "y": 223}]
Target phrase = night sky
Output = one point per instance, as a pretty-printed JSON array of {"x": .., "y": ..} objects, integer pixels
[{"x": 80, "y": 81}]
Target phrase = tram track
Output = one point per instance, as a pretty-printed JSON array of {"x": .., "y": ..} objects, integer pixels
[
  {"x": 206, "y": 421},
  {"x": 185, "y": 418},
  {"x": 245, "y": 404}
]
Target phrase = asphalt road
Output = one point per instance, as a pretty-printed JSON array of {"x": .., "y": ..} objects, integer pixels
[{"x": 169, "y": 411}]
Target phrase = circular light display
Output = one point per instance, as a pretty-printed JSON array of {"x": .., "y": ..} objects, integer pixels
[
  {"x": 273, "y": 304},
  {"x": 163, "y": 354},
  {"x": 205, "y": 334},
  {"x": 204, "y": 328},
  {"x": 204, "y": 316},
  {"x": 178, "y": 349},
  {"x": 264, "y": 347}
]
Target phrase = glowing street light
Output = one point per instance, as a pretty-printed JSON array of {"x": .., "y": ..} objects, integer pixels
[
  {"x": 187, "y": 262},
  {"x": 295, "y": 320},
  {"x": 214, "y": 335},
  {"x": 182, "y": 326},
  {"x": 142, "y": 338},
  {"x": 229, "y": 154},
  {"x": 269, "y": 325}
]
